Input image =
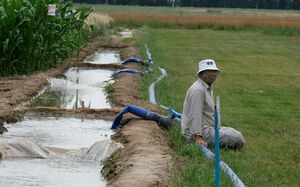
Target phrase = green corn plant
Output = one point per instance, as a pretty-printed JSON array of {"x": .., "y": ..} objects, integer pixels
[{"x": 30, "y": 40}]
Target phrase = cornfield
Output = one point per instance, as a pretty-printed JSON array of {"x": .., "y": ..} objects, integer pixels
[{"x": 30, "y": 40}]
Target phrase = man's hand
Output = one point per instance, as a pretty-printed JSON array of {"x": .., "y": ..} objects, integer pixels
[{"x": 199, "y": 140}]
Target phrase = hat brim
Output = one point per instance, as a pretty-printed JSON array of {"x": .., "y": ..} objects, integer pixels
[{"x": 209, "y": 68}]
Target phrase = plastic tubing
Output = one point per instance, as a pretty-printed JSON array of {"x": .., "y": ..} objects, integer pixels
[
  {"x": 135, "y": 60},
  {"x": 164, "y": 122},
  {"x": 136, "y": 110},
  {"x": 152, "y": 98},
  {"x": 148, "y": 54},
  {"x": 163, "y": 73},
  {"x": 234, "y": 178},
  {"x": 173, "y": 113},
  {"x": 132, "y": 71}
]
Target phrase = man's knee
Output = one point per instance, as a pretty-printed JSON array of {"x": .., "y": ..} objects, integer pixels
[{"x": 231, "y": 138}]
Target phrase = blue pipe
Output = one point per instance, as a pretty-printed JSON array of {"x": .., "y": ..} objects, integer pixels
[
  {"x": 217, "y": 151},
  {"x": 173, "y": 113},
  {"x": 149, "y": 69},
  {"x": 163, "y": 121},
  {"x": 234, "y": 178},
  {"x": 139, "y": 111},
  {"x": 207, "y": 152},
  {"x": 152, "y": 98},
  {"x": 132, "y": 71},
  {"x": 149, "y": 54},
  {"x": 135, "y": 60}
]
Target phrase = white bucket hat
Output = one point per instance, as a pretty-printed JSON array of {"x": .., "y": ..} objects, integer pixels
[{"x": 207, "y": 64}]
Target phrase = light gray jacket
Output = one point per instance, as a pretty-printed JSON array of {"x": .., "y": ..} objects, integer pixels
[{"x": 198, "y": 109}]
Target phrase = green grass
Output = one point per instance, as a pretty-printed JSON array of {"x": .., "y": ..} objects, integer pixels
[{"x": 259, "y": 91}]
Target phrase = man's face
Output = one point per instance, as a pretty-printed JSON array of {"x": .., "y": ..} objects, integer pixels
[{"x": 210, "y": 76}]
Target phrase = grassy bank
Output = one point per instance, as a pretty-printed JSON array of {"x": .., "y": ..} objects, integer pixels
[{"x": 259, "y": 93}]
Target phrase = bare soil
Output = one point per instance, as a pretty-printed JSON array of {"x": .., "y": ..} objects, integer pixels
[{"x": 145, "y": 160}]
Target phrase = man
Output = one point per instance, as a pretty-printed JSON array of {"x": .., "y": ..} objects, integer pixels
[{"x": 197, "y": 121}]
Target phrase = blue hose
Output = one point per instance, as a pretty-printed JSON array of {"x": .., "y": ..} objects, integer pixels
[
  {"x": 139, "y": 111},
  {"x": 149, "y": 69},
  {"x": 149, "y": 54},
  {"x": 134, "y": 60},
  {"x": 163, "y": 74},
  {"x": 173, "y": 113},
  {"x": 132, "y": 71},
  {"x": 234, "y": 178},
  {"x": 162, "y": 121}
]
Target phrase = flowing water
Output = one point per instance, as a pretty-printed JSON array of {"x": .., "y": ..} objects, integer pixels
[
  {"x": 104, "y": 57},
  {"x": 82, "y": 88},
  {"x": 71, "y": 148},
  {"x": 50, "y": 173},
  {"x": 68, "y": 133}
]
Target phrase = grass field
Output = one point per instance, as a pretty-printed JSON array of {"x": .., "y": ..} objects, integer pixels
[
  {"x": 259, "y": 93},
  {"x": 276, "y": 22},
  {"x": 258, "y": 86},
  {"x": 191, "y": 10}
]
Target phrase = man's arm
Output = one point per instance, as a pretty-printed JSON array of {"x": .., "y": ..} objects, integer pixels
[{"x": 196, "y": 104}]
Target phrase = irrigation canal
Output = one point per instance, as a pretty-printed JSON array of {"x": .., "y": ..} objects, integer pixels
[{"x": 62, "y": 151}]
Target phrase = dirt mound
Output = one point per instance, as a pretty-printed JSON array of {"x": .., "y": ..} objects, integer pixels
[{"x": 146, "y": 159}]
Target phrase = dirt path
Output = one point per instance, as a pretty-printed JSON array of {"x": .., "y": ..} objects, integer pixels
[{"x": 146, "y": 158}]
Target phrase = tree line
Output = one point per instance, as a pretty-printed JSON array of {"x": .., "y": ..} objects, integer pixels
[{"x": 259, "y": 4}]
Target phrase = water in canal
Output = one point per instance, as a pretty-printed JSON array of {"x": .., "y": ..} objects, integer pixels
[
  {"x": 104, "y": 57},
  {"x": 82, "y": 88},
  {"x": 72, "y": 150}
]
